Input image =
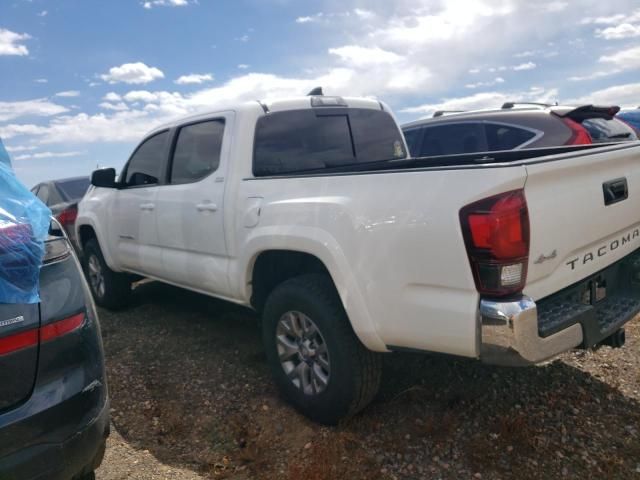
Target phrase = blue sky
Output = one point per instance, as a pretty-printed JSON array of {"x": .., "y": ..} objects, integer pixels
[{"x": 82, "y": 80}]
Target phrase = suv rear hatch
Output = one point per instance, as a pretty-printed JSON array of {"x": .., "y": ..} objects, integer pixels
[
  {"x": 584, "y": 215},
  {"x": 600, "y": 122}
]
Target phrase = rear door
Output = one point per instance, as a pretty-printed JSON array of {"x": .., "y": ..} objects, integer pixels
[
  {"x": 584, "y": 215},
  {"x": 190, "y": 206}
]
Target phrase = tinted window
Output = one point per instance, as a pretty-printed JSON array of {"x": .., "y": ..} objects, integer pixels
[
  {"x": 453, "y": 139},
  {"x": 413, "y": 137},
  {"x": 376, "y": 136},
  {"x": 145, "y": 167},
  {"x": 503, "y": 137},
  {"x": 301, "y": 140},
  {"x": 73, "y": 189},
  {"x": 197, "y": 152},
  {"x": 603, "y": 130}
]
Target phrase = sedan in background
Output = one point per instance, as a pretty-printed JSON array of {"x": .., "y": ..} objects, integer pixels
[
  {"x": 515, "y": 126},
  {"x": 62, "y": 197}
]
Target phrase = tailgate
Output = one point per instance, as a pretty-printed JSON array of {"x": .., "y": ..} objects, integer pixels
[{"x": 584, "y": 214}]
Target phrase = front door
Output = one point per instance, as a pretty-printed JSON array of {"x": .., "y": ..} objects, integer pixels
[{"x": 134, "y": 224}]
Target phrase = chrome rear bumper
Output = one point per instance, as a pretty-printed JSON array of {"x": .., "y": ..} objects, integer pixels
[{"x": 509, "y": 334}]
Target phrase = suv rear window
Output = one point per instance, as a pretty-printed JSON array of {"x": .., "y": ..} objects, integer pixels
[
  {"x": 312, "y": 139},
  {"x": 608, "y": 130}
]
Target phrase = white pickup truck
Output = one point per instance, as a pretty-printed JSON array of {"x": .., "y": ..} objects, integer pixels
[{"x": 310, "y": 211}]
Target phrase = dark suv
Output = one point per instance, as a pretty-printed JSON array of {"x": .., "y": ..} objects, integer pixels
[
  {"x": 515, "y": 126},
  {"x": 54, "y": 408}
]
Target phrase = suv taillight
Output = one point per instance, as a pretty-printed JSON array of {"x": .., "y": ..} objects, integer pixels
[
  {"x": 68, "y": 217},
  {"x": 496, "y": 234},
  {"x": 579, "y": 134}
]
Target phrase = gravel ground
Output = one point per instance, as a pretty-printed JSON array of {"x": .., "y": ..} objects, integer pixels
[{"x": 192, "y": 398}]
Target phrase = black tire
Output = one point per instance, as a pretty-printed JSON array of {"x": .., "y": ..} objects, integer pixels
[
  {"x": 117, "y": 286},
  {"x": 87, "y": 476},
  {"x": 355, "y": 372}
]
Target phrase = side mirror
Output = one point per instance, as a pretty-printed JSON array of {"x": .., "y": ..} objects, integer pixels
[{"x": 105, "y": 178}]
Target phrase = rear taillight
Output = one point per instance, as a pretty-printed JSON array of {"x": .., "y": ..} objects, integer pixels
[
  {"x": 496, "y": 234},
  {"x": 68, "y": 216},
  {"x": 579, "y": 134},
  {"x": 30, "y": 338}
]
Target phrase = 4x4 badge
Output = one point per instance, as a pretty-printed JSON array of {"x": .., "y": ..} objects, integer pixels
[
  {"x": 11, "y": 321},
  {"x": 544, "y": 258}
]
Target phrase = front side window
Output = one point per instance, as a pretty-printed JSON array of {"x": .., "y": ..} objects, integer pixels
[
  {"x": 145, "y": 166},
  {"x": 453, "y": 139},
  {"x": 197, "y": 152},
  {"x": 506, "y": 137},
  {"x": 304, "y": 140}
]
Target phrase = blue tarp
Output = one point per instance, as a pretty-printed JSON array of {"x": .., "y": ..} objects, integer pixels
[{"x": 24, "y": 225}]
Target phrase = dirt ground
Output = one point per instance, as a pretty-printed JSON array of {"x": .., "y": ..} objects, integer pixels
[{"x": 192, "y": 398}]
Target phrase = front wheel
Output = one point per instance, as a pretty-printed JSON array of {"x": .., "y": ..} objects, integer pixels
[
  {"x": 110, "y": 289},
  {"x": 315, "y": 357}
]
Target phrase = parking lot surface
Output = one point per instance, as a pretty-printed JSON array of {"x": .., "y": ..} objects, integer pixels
[{"x": 192, "y": 398}]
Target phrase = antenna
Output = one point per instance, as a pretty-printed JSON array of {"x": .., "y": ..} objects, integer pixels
[{"x": 315, "y": 92}]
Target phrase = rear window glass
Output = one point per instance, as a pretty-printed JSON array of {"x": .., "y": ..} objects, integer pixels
[
  {"x": 197, "y": 151},
  {"x": 73, "y": 189},
  {"x": 301, "y": 140},
  {"x": 506, "y": 137},
  {"x": 453, "y": 139},
  {"x": 613, "y": 130}
]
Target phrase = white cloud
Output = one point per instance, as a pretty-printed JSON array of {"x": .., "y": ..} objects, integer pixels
[
  {"x": 364, "y": 14},
  {"x": 165, "y": 3},
  {"x": 112, "y": 97},
  {"x": 132, "y": 73},
  {"x": 525, "y": 66},
  {"x": 624, "y": 30},
  {"x": 41, "y": 80},
  {"x": 244, "y": 38},
  {"x": 11, "y": 43},
  {"x": 43, "y": 13},
  {"x": 116, "y": 107},
  {"x": 310, "y": 19},
  {"x": 40, "y": 107},
  {"x": 625, "y": 96},
  {"x": 491, "y": 83},
  {"x": 484, "y": 100},
  {"x": 68, "y": 93},
  {"x": 243, "y": 66},
  {"x": 41, "y": 155},
  {"x": 593, "y": 75},
  {"x": 612, "y": 19},
  {"x": 628, "y": 59},
  {"x": 357, "y": 56},
  {"x": 20, "y": 148},
  {"x": 194, "y": 78}
]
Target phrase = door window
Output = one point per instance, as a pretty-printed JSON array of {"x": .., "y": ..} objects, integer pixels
[
  {"x": 506, "y": 137},
  {"x": 197, "y": 152},
  {"x": 453, "y": 139},
  {"x": 145, "y": 166}
]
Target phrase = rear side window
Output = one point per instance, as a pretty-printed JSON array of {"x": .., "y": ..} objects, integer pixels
[
  {"x": 43, "y": 193},
  {"x": 612, "y": 130},
  {"x": 302, "y": 140},
  {"x": 413, "y": 137},
  {"x": 145, "y": 166},
  {"x": 73, "y": 189},
  {"x": 506, "y": 137},
  {"x": 197, "y": 152},
  {"x": 453, "y": 139}
]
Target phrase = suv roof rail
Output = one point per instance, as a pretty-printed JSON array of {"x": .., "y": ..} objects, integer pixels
[
  {"x": 507, "y": 105},
  {"x": 440, "y": 113}
]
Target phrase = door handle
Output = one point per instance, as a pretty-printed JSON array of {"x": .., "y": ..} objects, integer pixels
[
  {"x": 615, "y": 191},
  {"x": 147, "y": 206},
  {"x": 207, "y": 207}
]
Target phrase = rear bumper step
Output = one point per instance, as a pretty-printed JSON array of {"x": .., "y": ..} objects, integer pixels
[{"x": 522, "y": 331}]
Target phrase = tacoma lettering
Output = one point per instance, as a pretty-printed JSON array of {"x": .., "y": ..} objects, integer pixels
[{"x": 604, "y": 249}]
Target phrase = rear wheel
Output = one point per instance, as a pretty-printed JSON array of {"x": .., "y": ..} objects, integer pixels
[
  {"x": 316, "y": 359},
  {"x": 110, "y": 289}
]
